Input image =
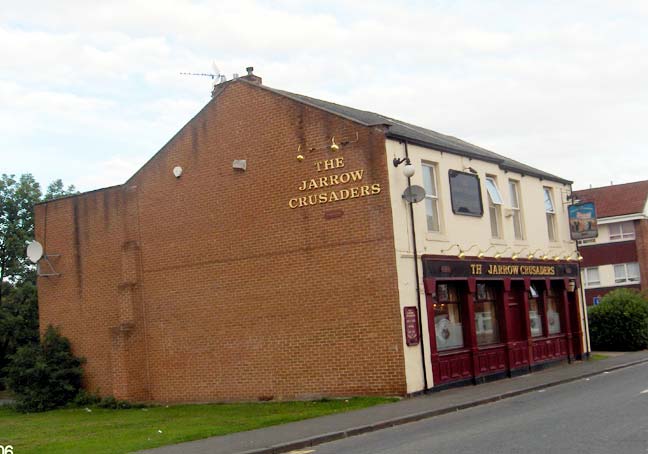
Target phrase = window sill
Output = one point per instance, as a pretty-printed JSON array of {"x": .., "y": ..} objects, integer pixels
[
  {"x": 498, "y": 242},
  {"x": 439, "y": 237}
]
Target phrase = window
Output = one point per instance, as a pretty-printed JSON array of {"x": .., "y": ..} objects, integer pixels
[
  {"x": 535, "y": 317},
  {"x": 447, "y": 318},
  {"x": 431, "y": 197},
  {"x": 486, "y": 325},
  {"x": 516, "y": 209},
  {"x": 626, "y": 272},
  {"x": 494, "y": 207},
  {"x": 552, "y": 303},
  {"x": 465, "y": 193},
  {"x": 622, "y": 231},
  {"x": 592, "y": 278},
  {"x": 550, "y": 210}
]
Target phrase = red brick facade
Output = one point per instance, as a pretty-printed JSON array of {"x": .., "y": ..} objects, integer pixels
[{"x": 209, "y": 286}]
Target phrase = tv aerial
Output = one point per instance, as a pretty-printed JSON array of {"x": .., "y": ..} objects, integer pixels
[
  {"x": 216, "y": 76},
  {"x": 36, "y": 255}
]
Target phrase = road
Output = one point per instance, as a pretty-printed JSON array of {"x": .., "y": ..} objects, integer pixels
[{"x": 605, "y": 414}]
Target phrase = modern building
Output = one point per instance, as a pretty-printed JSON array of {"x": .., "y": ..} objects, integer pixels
[
  {"x": 267, "y": 252},
  {"x": 618, "y": 257}
]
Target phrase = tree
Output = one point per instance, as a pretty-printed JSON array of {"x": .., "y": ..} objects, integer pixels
[
  {"x": 620, "y": 321},
  {"x": 18, "y": 318},
  {"x": 17, "y": 198},
  {"x": 46, "y": 375},
  {"x": 56, "y": 190}
]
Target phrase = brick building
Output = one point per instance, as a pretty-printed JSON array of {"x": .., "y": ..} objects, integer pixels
[
  {"x": 266, "y": 252},
  {"x": 619, "y": 256}
]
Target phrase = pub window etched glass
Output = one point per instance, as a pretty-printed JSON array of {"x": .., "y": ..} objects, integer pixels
[
  {"x": 535, "y": 314},
  {"x": 447, "y": 318},
  {"x": 553, "y": 312},
  {"x": 486, "y": 323}
]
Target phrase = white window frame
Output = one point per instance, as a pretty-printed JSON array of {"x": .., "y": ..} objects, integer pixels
[
  {"x": 432, "y": 193},
  {"x": 626, "y": 231},
  {"x": 550, "y": 209},
  {"x": 494, "y": 206},
  {"x": 629, "y": 276},
  {"x": 516, "y": 209},
  {"x": 592, "y": 283}
]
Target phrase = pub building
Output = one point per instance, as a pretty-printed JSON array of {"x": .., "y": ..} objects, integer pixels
[{"x": 283, "y": 247}]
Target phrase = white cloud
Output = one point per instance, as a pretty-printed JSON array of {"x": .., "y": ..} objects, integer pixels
[{"x": 558, "y": 85}]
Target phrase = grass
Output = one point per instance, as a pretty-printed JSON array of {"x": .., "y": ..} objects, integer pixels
[
  {"x": 597, "y": 357},
  {"x": 102, "y": 431}
]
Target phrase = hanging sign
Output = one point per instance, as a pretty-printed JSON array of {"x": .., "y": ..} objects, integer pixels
[{"x": 582, "y": 221}]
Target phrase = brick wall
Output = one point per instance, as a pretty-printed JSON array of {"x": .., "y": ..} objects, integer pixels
[{"x": 210, "y": 287}]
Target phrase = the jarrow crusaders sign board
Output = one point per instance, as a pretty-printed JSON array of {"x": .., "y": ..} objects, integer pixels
[
  {"x": 488, "y": 269},
  {"x": 333, "y": 182},
  {"x": 582, "y": 221},
  {"x": 410, "y": 317}
]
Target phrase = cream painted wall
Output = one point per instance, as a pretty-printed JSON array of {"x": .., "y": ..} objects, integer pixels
[{"x": 465, "y": 231}]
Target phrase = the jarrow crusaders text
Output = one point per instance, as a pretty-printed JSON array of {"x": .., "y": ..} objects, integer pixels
[
  {"x": 515, "y": 270},
  {"x": 332, "y": 180}
]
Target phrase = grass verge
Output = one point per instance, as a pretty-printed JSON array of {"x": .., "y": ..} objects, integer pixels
[
  {"x": 597, "y": 357},
  {"x": 103, "y": 431}
]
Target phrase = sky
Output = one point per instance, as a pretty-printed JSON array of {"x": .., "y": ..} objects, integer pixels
[{"x": 90, "y": 90}]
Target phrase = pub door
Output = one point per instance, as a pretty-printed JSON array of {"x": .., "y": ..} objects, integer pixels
[{"x": 517, "y": 341}]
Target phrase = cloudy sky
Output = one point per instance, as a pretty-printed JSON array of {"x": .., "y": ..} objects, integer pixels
[{"x": 89, "y": 90}]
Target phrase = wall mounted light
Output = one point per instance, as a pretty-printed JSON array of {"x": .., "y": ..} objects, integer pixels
[
  {"x": 498, "y": 255},
  {"x": 461, "y": 254},
  {"x": 556, "y": 258},
  {"x": 483, "y": 253},
  {"x": 516, "y": 255},
  {"x": 334, "y": 146},
  {"x": 177, "y": 171},
  {"x": 579, "y": 257},
  {"x": 532, "y": 254},
  {"x": 409, "y": 169}
]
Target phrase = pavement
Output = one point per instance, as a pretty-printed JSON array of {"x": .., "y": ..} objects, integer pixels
[{"x": 311, "y": 432}]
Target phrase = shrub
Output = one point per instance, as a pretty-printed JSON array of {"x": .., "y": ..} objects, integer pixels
[
  {"x": 620, "y": 321},
  {"x": 46, "y": 375}
]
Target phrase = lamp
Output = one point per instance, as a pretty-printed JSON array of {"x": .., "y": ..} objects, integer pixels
[
  {"x": 516, "y": 255},
  {"x": 409, "y": 169},
  {"x": 532, "y": 254},
  {"x": 498, "y": 255},
  {"x": 461, "y": 254},
  {"x": 334, "y": 146},
  {"x": 483, "y": 253}
]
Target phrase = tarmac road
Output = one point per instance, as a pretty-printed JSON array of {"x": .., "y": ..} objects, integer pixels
[{"x": 604, "y": 414}]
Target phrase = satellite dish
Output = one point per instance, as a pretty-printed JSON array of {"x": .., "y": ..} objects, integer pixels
[
  {"x": 414, "y": 194},
  {"x": 34, "y": 251}
]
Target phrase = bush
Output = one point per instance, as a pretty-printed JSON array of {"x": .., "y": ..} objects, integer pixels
[
  {"x": 46, "y": 375},
  {"x": 620, "y": 321}
]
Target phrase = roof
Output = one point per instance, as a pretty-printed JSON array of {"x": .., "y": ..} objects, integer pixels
[
  {"x": 421, "y": 136},
  {"x": 618, "y": 199}
]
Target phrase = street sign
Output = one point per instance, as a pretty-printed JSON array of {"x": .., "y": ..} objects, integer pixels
[{"x": 596, "y": 300}]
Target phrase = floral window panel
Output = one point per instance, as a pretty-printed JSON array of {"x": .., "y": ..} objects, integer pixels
[
  {"x": 553, "y": 312},
  {"x": 448, "y": 325}
]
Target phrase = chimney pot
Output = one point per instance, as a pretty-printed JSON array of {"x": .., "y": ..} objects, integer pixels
[{"x": 249, "y": 70}]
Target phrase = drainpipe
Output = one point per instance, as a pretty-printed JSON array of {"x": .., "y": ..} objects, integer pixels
[{"x": 416, "y": 276}]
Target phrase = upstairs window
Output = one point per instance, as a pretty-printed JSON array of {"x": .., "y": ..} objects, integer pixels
[
  {"x": 622, "y": 231},
  {"x": 516, "y": 209},
  {"x": 494, "y": 207},
  {"x": 592, "y": 278},
  {"x": 465, "y": 193},
  {"x": 626, "y": 273},
  {"x": 431, "y": 197},
  {"x": 550, "y": 210}
]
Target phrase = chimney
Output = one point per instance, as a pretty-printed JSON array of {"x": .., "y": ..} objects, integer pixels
[{"x": 250, "y": 77}]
